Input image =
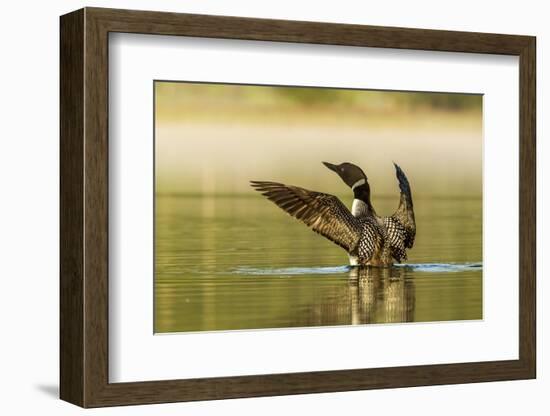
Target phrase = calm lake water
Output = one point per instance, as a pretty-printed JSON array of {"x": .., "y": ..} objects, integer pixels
[{"x": 239, "y": 262}]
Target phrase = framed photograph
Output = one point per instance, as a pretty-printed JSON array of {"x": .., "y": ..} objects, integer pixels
[{"x": 254, "y": 207}]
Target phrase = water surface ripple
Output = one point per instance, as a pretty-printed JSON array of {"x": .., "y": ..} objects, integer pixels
[{"x": 239, "y": 263}]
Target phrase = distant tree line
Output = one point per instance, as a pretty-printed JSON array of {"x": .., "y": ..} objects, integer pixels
[{"x": 323, "y": 96}]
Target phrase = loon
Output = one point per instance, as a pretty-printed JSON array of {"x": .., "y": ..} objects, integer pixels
[{"x": 369, "y": 239}]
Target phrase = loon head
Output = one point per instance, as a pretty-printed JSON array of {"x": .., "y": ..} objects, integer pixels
[{"x": 351, "y": 174}]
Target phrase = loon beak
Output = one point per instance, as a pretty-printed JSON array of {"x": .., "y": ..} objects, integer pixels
[{"x": 331, "y": 166}]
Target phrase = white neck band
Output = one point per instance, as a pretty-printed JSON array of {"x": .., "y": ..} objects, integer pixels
[{"x": 358, "y": 183}]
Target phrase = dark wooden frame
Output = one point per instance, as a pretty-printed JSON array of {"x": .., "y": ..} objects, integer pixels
[{"x": 84, "y": 207}]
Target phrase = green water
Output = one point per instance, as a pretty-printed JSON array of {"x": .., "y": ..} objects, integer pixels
[{"x": 239, "y": 262}]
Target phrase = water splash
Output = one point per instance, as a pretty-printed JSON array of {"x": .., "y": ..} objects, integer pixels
[
  {"x": 290, "y": 271},
  {"x": 442, "y": 267},
  {"x": 296, "y": 271}
]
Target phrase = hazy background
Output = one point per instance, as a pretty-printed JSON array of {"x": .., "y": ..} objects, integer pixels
[{"x": 214, "y": 138}]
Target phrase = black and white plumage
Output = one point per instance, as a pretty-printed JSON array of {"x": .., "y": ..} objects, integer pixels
[
  {"x": 401, "y": 225},
  {"x": 368, "y": 238},
  {"x": 362, "y": 238}
]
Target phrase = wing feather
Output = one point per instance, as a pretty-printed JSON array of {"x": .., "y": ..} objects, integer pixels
[
  {"x": 323, "y": 213},
  {"x": 404, "y": 214}
]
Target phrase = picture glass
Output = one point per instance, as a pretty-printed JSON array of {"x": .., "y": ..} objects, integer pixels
[{"x": 288, "y": 206}]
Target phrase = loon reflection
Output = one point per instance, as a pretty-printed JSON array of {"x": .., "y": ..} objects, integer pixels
[{"x": 372, "y": 295}]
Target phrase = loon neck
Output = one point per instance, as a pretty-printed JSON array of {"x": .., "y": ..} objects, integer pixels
[{"x": 362, "y": 193}]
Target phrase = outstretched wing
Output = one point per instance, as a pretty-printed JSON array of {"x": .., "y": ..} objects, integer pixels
[
  {"x": 398, "y": 238},
  {"x": 403, "y": 225},
  {"x": 324, "y": 213}
]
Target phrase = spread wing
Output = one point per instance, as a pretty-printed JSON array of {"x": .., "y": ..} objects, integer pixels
[
  {"x": 324, "y": 213},
  {"x": 398, "y": 238},
  {"x": 403, "y": 222}
]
